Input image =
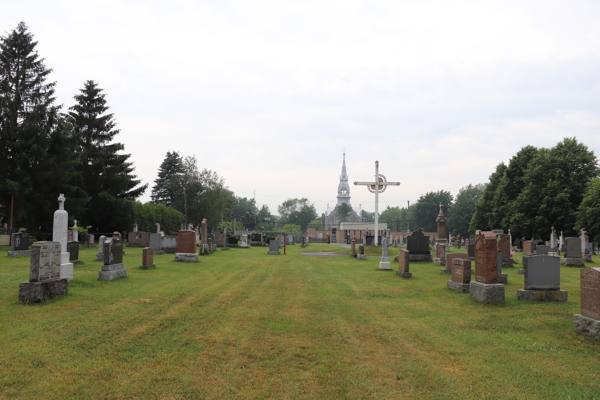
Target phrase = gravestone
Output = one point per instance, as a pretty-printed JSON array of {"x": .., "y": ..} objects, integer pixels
[
  {"x": 155, "y": 243},
  {"x": 100, "y": 253},
  {"x": 138, "y": 239},
  {"x": 573, "y": 256},
  {"x": 19, "y": 245},
  {"x": 527, "y": 247},
  {"x": 44, "y": 274},
  {"x": 186, "y": 246},
  {"x": 90, "y": 242},
  {"x": 440, "y": 254},
  {"x": 73, "y": 250},
  {"x": 418, "y": 246},
  {"x": 168, "y": 244},
  {"x": 59, "y": 234},
  {"x": 353, "y": 247},
  {"x": 485, "y": 288},
  {"x": 471, "y": 251},
  {"x": 503, "y": 245},
  {"x": 449, "y": 259},
  {"x": 113, "y": 267},
  {"x": 274, "y": 247},
  {"x": 204, "y": 226},
  {"x": 461, "y": 275},
  {"x": 384, "y": 264},
  {"x": 147, "y": 258},
  {"x": 587, "y": 322},
  {"x": 403, "y": 264},
  {"x": 542, "y": 279},
  {"x": 244, "y": 241},
  {"x": 361, "y": 252},
  {"x": 256, "y": 239},
  {"x": 542, "y": 250}
]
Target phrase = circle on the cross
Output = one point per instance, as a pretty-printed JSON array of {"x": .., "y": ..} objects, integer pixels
[{"x": 382, "y": 188}]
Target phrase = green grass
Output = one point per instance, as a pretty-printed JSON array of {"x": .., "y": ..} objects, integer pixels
[{"x": 241, "y": 324}]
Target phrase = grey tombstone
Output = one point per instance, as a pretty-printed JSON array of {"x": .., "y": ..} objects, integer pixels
[
  {"x": 113, "y": 267},
  {"x": 542, "y": 279},
  {"x": 361, "y": 252},
  {"x": 542, "y": 250},
  {"x": 572, "y": 247},
  {"x": 19, "y": 245},
  {"x": 73, "y": 250},
  {"x": 100, "y": 254},
  {"x": 44, "y": 274},
  {"x": 384, "y": 263},
  {"x": 274, "y": 247},
  {"x": 155, "y": 243}
]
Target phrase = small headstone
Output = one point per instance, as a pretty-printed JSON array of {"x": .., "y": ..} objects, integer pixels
[
  {"x": 274, "y": 247},
  {"x": 19, "y": 245},
  {"x": 471, "y": 250},
  {"x": 384, "y": 263},
  {"x": 418, "y": 246},
  {"x": 186, "y": 246},
  {"x": 527, "y": 247},
  {"x": 542, "y": 250},
  {"x": 73, "y": 250},
  {"x": 244, "y": 241},
  {"x": 155, "y": 243},
  {"x": 573, "y": 256},
  {"x": 113, "y": 267},
  {"x": 361, "y": 252},
  {"x": 403, "y": 264},
  {"x": 44, "y": 274},
  {"x": 90, "y": 240},
  {"x": 588, "y": 321},
  {"x": 461, "y": 275},
  {"x": 353, "y": 247},
  {"x": 147, "y": 258}
]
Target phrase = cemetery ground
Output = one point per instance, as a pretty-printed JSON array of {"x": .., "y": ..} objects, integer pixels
[{"x": 241, "y": 324}]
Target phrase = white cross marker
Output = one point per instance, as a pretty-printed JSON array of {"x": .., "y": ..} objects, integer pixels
[
  {"x": 376, "y": 187},
  {"x": 61, "y": 202}
]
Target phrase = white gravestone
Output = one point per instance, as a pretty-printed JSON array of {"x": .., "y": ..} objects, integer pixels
[
  {"x": 59, "y": 234},
  {"x": 384, "y": 263}
]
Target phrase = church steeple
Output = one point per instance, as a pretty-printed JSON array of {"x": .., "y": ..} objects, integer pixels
[{"x": 343, "y": 188}]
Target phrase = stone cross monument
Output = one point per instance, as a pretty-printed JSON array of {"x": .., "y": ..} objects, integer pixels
[
  {"x": 59, "y": 234},
  {"x": 378, "y": 186}
]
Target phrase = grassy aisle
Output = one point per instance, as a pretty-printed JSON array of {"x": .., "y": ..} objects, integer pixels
[{"x": 241, "y": 324}]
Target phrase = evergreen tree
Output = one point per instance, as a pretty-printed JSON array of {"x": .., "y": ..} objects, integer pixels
[
  {"x": 107, "y": 174},
  {"x": 162, "y": 191},
  {"x": 463, "y": 209},
  {"x": 36, "y": 143}
]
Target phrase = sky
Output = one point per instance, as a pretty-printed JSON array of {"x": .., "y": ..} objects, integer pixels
[{"x": 269, "y": 94}]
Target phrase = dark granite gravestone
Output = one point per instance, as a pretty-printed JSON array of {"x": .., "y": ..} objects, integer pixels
[
  {"x": 113, "y": 250},
  {"x": 543, "y": 250},
  {"x": 542, "y": 272},
  {"x": 404, "y": 262},
  {"x": 572, "y": 247},
  {"x": 73, "y": 250},
  {"x": 471, "y": 250},
  {"x": 20, "y": 241},
  {"x": 361, "y": 252},
  {"x": 418, "y": 243},
  {"x": 44, "y": 274},
  {"x": 232, "y": 241}
]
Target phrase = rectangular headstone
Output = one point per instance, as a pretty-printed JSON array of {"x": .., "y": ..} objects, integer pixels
[
  {"x": 450, "y": 257},
  {"x": 20, "y": 241},
  {"x": 138, "y": 238},
  {"x": 503, "y": 244},
  {"x": 45, "y": 261},
  {"x": 590, "y": 293},
  {"x": 168, "y": 242},
  {"x": 113, "y": 250},
  {"x": 461, "y": 270},
  {"x": 527, "y": 246},
  {"x": 403, "y": 260},
  {"x": 542, "y": 272},
  {"x": 572, "y": 247},
  {"x": 471, "y": 250},
  {"x": 418, "y": 243},
  {"x": 486, "y": 270},
  {"x": 542, "y": 250},
  {"x": 186, "y": 241},
  {"x": 155, "y": 241},
  {"x": 440, "y": 250},
  {"x": 147, "y": 258},
  {"x": 73, "y": 250},
  {"x": 90, "y": 239}
]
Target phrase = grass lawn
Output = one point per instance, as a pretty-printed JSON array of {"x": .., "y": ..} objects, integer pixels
[{"x": 241, "y": 324}]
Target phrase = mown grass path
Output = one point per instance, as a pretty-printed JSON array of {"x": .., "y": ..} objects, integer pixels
[{"x": 241, "y": 324}]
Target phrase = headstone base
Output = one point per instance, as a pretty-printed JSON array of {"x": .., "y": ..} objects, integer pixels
[
  {"x": 157, "y": 252},
  {"x": 521, "y": 271},
  {"x": 489, "y": 293},
  {"x": 66, "y": 270},
  {"x": 170, "y": 250},
  {"x": 19, "y": 253},
  {"x": 446, "y": 271},
  {"x": 572, "y": 262},
  {"x": 360, "y": 256},
  {"x": 508, "y": 263},
  {"x": 587, "y": 258},
  {"x": 405, "y": 275},
  {"x": 186, "y": 257},
  {"x": 542, "y": 295},
  {"x": 136, "y": 245},
  {"x": 459, "y": 287},
  {"x": 147, "y": 266},
  {"x": 224, "y": 248},
  {"x": 586, "y": 326},
  {"x": 554, "y": 253},
  {"x": 503, "y": 278},
  {"x": 419, "y": 257},
  {"x": 34, "y": 292},
  {"x": 274, "y": 253},
  {"x": 112, "y": 274},
  {"x": 385, "y": 266},
  {"x": 243, "y": 246},
  {"x": 439, "y": 261}
]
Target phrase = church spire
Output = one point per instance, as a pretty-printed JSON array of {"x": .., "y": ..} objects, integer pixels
[{"x": 343, "y": 188}]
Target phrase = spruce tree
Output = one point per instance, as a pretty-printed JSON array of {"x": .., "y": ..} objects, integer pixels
[
  {"x": 36, "y": 143},
  {"x": 107, "y": 174},
  {"x": 163, "y": 191}
]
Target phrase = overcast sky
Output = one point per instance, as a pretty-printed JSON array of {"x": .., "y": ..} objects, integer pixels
[{"x": 270, "y": 93}]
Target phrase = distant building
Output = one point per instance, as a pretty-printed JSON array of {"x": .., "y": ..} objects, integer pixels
[{"x": 332, "y": 219}]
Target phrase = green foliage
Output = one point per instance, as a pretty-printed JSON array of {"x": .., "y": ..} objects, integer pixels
[
  {"x": 245, "y": 211},
  {"x": 427, "y": 209},
  {"x": 36, "y": 142},
  {"x": 264, "y": 219},
  {"x": 316, "y": 224},
  {"x": 162, "y": 191},
  {"x": 343, "y": 210},
  {"x": 81, "y": 229},
  {"x": 292, "y": 228},
  {"x": 484, "y": 209},
  {"x": 107, "y": 174},
  {"x": 297, "y": 211},
  {"x": 463, "y": 209},
  {"x": 588, "y": 215},
  {"x": 367, "y": 216},
  {"x": 398, "y": 219},
  {"x": 147, "y": 215}
]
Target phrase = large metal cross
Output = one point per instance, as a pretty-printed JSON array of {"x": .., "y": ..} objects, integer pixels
[{"x": 377, "y": 187}]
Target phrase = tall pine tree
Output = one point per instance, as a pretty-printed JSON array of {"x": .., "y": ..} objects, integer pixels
[
  {"x": 107, "y": 174},
  {"x": 36, "y": 143},
  {"x": 163, "y": 191}
]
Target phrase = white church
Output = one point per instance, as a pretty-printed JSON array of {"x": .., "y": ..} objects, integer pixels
[{"x": 332, "y": 219}]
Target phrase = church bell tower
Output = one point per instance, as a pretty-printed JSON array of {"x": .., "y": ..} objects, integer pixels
[{"x": 343, "y": 188}]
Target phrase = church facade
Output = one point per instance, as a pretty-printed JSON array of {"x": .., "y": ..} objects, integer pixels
[{"x": 333, "y": 216}]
